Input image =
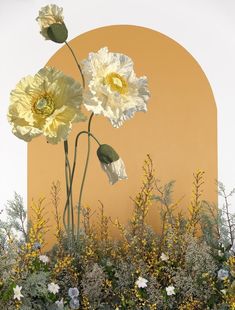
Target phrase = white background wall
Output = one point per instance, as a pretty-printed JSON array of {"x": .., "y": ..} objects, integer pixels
[{"x": 206, "y": 28}]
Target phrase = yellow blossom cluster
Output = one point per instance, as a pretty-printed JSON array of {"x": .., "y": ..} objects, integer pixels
[{"x": 65, "y": 264}]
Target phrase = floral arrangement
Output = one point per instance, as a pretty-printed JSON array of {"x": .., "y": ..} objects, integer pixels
[
  {"x": 189, "y": 265},
  {"x": 50, "y": 102}
]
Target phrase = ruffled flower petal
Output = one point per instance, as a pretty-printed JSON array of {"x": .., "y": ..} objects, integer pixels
[
  {"x": 115, "y": 171},
  {"x": 113, "y": 89},
  {"x": 49, "y": 15},
  {"x": 47, "y": 103}
]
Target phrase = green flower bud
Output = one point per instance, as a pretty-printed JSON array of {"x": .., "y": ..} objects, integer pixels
[
  {"x": 107, "y": 154},
  {"x": 57, "y": 33}
]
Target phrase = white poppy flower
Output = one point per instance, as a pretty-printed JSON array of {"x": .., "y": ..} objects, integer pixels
[
  {"x": 44, "y": 259},
  {"x": 114, "y": 91},
  {"x": 17, "y": 292},
  {"x": 170, "y": 290},
  {"x": 111, "y": 163},
  {"x": 45, "y": 104},
  {"x": 164, "y": 257},
  {"x": 141, "y": 282},
  {"x": 53, "y": 288},
  {"x": 51, "y": 17},
  {"x": 115, "y": 171}
]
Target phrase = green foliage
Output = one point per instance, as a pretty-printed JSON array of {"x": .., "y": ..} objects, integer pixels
[{"x": 106, "y": 271}]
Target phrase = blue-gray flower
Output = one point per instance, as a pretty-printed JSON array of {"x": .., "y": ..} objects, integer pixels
[
  {"x": 223, "y": 274},
  {"x": 74, "y": 303},
  {"x": 73, "y": 292}
]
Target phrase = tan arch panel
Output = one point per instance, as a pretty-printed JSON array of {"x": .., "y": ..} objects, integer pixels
[{"x": 179, "y": 130}]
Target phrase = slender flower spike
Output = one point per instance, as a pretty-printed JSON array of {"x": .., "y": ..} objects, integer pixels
[
  {"x": 113, "y": 91},
  {"x": 51, "y": 22},
  {"x": 44, "y": 259},
  {"x": 170, "y": 290},
  {"x": 17, "y": 292},
  {"x": 141, "y": 282},
  {"x": 111, "y": 163},
  {"x": 45, "y": 104},
  {"x": 164, "y": 257},
  {"x": 73, "y": 292},
  {"x": 53, "y": 288}
]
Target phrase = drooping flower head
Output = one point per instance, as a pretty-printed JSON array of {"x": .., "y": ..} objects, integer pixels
[
  {"x": 114, "y": 91},
  {"x": 111, "y": 163},
  {"x": 51, "y": 22},
  {"x": 45, "y": 104},
  {"x": 141, "y": 282}
]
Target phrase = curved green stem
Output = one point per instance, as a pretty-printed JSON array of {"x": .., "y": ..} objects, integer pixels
[
  {"x": 69, "y": 201},
  {"x": 77, "y": 63},
  {"x": 84, "y": 174},
  {"x": 75, "y": 161},
  {"x": 67, "y": 225}
]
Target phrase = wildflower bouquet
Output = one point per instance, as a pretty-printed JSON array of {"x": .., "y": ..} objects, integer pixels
[
  {"x": 142, "y": 269},
  {"x": 188, "y": 265}
]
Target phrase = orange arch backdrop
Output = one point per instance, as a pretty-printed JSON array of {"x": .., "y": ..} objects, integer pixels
[{"x": 179, "y": 130}]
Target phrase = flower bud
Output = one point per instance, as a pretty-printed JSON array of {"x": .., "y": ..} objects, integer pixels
[
  {"x": 111, "y": 163},
  {"x": 57, "y": 33},
  {"x": 51, "y": 22},
  {"x": 107, "y": 154}
]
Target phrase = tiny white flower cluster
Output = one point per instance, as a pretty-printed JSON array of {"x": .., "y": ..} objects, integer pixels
[{"x": 44, "y": 259}]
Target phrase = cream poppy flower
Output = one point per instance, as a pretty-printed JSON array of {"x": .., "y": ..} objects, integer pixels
[
  {"x": 114, "y": 91},
  {"x": 45, "y": 104},
  {"x": 48, "y": 16}
]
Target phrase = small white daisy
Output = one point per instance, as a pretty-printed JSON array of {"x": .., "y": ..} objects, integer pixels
[{"x": 141, "y": 282}]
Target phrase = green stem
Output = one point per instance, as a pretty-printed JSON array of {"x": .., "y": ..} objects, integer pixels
[
  {"x": 75, "y": 160},
  {"x": 84, "y": 174},
  {"x": 67, "y": 207},
  {"x": 77, "y": 63},
  {"x": 70, "y": 195}
]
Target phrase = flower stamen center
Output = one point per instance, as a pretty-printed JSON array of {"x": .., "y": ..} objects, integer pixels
[
  {"x": 44, "y": 106},
  {"x": 116, "y": 82}
]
